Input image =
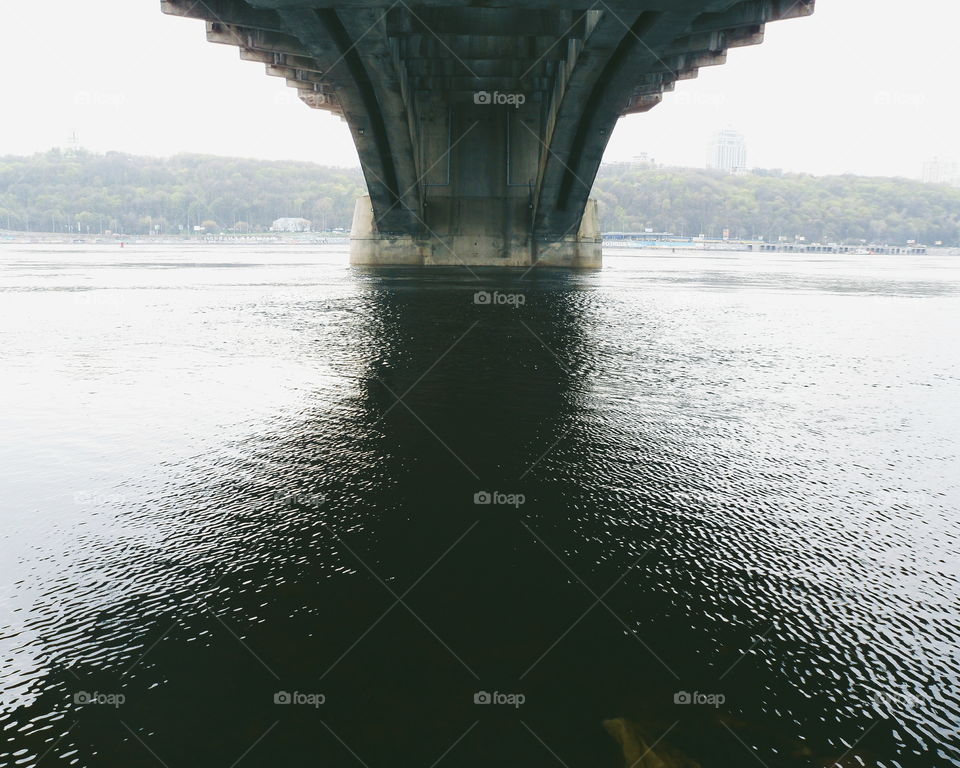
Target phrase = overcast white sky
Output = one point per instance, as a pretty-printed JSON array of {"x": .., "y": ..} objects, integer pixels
[{"x": 862, "y": 86}]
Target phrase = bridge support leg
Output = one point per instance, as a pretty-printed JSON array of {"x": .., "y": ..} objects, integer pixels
[
  {"x": 478, "y": 165},
  {"x": 475, "y": 232}
]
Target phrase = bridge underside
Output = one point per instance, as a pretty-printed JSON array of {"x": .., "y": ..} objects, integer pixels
[{"x": 480, "y": 130}]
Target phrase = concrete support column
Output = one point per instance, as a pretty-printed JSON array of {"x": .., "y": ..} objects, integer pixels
[
  {"x": 474, "y": 244},
  {"x": 479, "y": 156}
]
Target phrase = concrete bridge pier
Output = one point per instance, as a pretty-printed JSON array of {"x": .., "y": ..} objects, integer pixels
[
  {"x": 478, "y": 154},
  {"x": 480, "y": 127}
]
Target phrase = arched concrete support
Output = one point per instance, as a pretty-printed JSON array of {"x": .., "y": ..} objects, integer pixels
[
  {"x": 586, "y": 113},
  {"x": 356, "y": 58},
  {"x": 604, "y": 85}
]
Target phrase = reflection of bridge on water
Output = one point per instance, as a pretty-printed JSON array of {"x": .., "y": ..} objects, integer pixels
[{"x": 480, "y": 130}]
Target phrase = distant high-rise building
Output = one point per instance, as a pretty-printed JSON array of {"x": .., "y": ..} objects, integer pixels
[
  {"x": 940, "y": 171},
  {"x": 728, "y": 151}
]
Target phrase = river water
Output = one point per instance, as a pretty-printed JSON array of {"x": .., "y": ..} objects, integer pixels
[{"x": 240, "y": 522}]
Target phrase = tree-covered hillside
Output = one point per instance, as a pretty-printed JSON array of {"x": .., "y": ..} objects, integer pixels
[
  {"x": 825, "y": 209},
  {"x": 57, "y": 191},
  {"x": 125, "y": 193}
]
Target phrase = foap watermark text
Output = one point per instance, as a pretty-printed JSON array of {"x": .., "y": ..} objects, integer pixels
[
  {"x": 115, "y": 700},
  {"x": 515, "y": 700},
  {"x": 509, "y": 99},
  {"x": 499, "y": 499},
  {"x": 495, "y": 297},
  {"x": 708, "y": 699},
  {"x": 296, "y": 698}
]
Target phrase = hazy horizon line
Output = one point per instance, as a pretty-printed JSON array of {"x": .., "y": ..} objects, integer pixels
[{"x": 357, "y": 167}]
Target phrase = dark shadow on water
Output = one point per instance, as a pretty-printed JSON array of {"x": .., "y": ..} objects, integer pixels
[{"x": 346, "y": 556}]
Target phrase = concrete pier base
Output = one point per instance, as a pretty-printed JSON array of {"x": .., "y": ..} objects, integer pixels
[{"x": 475, "y": 232}]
